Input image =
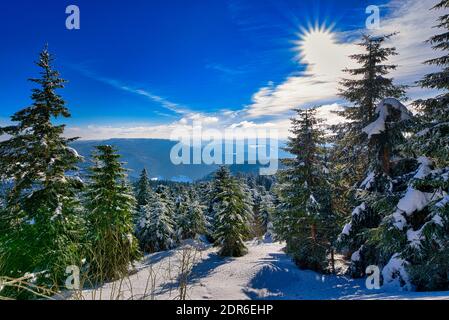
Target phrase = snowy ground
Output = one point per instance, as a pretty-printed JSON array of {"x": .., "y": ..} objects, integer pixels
[{"x": 265, "y": 273}]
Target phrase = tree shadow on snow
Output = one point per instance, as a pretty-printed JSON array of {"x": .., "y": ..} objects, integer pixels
[
  {"x": 273, "y": 279},
  {"x": 154, "y": 258},
  {"x": 200, "y": 271},
  {"x": 207, "y": 266},
  {"x": 280, "y": 279}
]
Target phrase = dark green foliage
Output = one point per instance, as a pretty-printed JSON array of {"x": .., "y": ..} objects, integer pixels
[
  {"x": 304, "y": 218},
  {"x": 110, "y": 210},
  {"x": 433, "y": 139},
  {"x": 143, "y": 189},
  {"x": 367, "y": 86},
  {"x": 384, "y": 184},
  {"x": 419, "y": 234},
  {"x": 361, "y": 163},
  {"x": 266, "y": 211},
  {"x": 42, "y": 225},
  {"x": 232, "y": 213},
  {"x": 156, "y": 228},
  {"x": 190, "y": 219}
]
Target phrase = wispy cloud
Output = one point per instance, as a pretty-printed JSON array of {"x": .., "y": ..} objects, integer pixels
[
  {"x": 163, "y": 102},
  {"x": 226, "y": 70}
]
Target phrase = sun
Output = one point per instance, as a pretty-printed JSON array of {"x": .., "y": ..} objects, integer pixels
[
  {"x": 313, "y": 41},
  {"x": 318, "y": 48}
]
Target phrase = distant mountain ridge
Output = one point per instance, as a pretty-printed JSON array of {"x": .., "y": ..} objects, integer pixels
[{"x": 154, "y": 155}]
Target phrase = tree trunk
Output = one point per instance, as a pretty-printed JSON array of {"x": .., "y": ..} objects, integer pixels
[
  {"x": 332, "y": 260},
  {"x": 314, "y": 232},
  {"x": 385, "y": 158}
]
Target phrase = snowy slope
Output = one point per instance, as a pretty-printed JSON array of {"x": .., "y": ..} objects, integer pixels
[{"x": 265, "y": 273}]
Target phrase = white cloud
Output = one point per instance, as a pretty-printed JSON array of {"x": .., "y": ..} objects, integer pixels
[
  {"x": 150, "y": 131},
  {"x": 415, "y": 23},
  {"x": 181, "y": 128},
  {"x": 98, "y": 132},
  {"x": 251, "y": 125},
  {"x": 198, "y": 117},
  {"x": 328, "y": 115}
]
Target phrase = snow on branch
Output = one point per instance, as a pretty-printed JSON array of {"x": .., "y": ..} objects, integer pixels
[{"x": 383, "y": 110}]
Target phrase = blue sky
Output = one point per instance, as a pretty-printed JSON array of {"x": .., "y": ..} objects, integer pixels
[{"x": 141, "y": 68}]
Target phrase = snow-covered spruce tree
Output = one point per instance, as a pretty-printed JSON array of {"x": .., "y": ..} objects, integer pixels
[
  {"x": 190, "y": 219},
  {"x": 249, "y": 193},
  {"x": 418, "y": 229},
  {"x": 384, "y": 183},
  {"x": 143, "y": 189},
  {"x": 304, "y": 218},
  {"x": 254, "y": 191},
  {"x": 266, "y": 211},
  {"x": 205, "y": 197},
  {"x": 156, "y": 228},
  {"x": 433, "y": 139},
  {"x": 263, "y": 209},
  {"x": 195, "y": 214},
  {"x": 232, "y": 214},
  {"x": 211, "y": 192},
  {"x": 42, "y": 214},
  {"x": 4, "y": 228},
  {"x": 180, "y": 215},
  {"x": 367, "y": 86},
  {"x": 110, "y": 206},
  {"x": 3, "y": 221}
]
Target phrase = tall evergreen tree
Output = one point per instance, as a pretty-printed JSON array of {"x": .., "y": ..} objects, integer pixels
[
  {"x": 3, "y": 218},
  {"x": 304, "y": 219},
  {"x": 205, "y": 197},
  {"x": 214, "y": 189},
  {"x": 433, "y": 140},
  {"x": 417, "y": 231},
  {"x": 232, "y": 214},
  {"x": 110, "y": 212},
  {"x": 367, "y": 86},
  {"x": 143, "y": 189},
  {"x": 266, "y": 211},
  {"x": 42, "y": 215},
  {"x": 384, "y": 183}
]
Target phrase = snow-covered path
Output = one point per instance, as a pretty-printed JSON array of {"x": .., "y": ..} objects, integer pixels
[{"x": 266, "y": 272}]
